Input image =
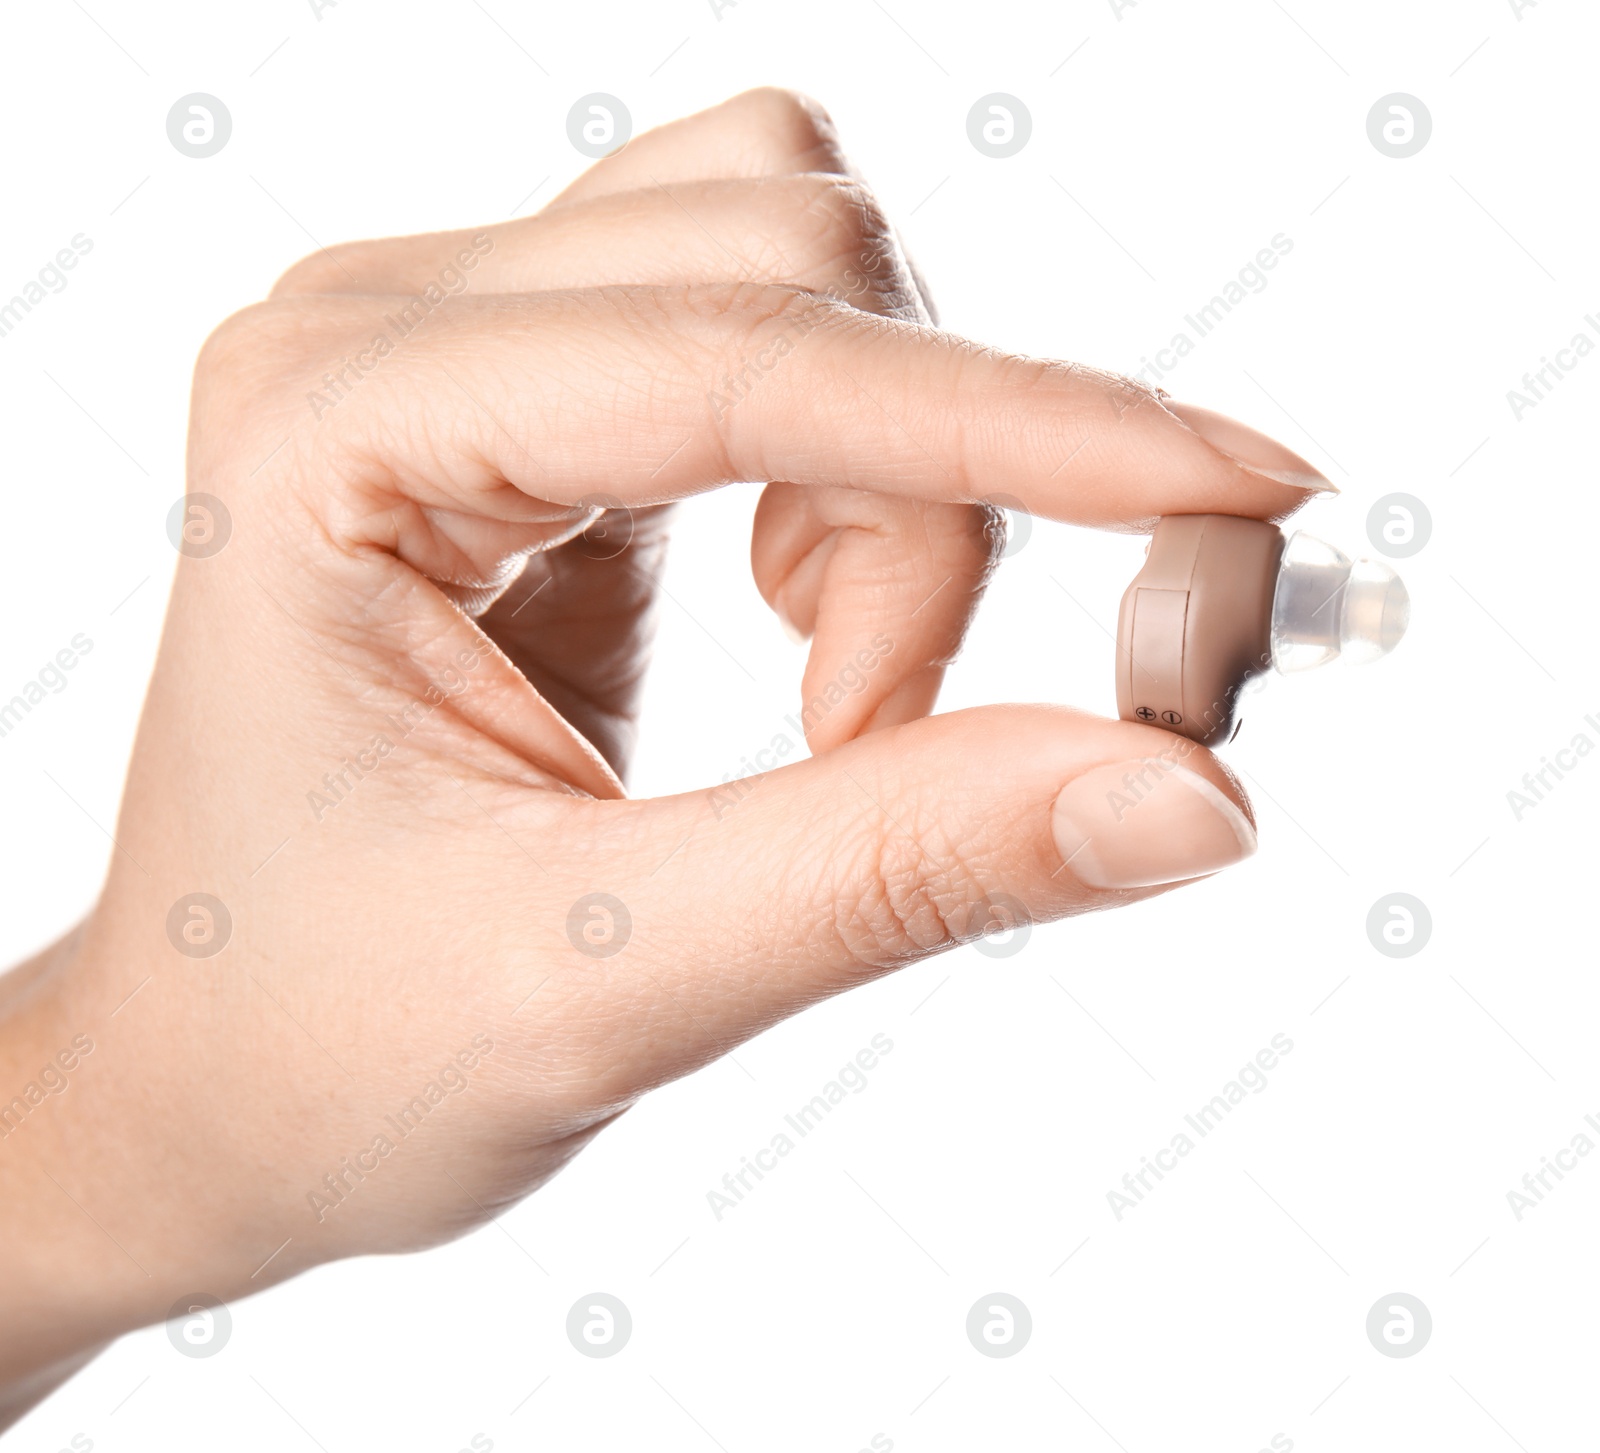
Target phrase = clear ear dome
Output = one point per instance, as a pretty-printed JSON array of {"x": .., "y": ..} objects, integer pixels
[{"x": 1327, "y": 606}]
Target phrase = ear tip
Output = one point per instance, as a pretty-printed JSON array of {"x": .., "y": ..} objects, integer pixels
[
  {"x": 1377, "y": 611},
  {"x": 1329, "y": 607},
  {"x": 1396, "y": 615}
]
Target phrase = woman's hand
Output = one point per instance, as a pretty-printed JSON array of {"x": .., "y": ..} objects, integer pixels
[{"x": 383, "y": 942}]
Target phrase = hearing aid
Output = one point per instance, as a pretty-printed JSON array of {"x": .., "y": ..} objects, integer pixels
[{"x": 1222, "y": 600}]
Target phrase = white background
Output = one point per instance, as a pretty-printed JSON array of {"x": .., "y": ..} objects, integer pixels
[{"x": 830, "y": 1306}]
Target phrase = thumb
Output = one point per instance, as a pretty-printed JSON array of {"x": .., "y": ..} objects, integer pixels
[{"x": 751, "y": 900}]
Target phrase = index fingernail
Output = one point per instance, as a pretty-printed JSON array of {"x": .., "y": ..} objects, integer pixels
[{"x": 1251, "y": 449}]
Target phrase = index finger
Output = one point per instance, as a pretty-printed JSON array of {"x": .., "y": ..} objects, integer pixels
[{"x": 665, "y": 392}]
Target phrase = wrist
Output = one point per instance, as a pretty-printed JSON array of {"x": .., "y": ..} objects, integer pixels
[{"x": 97, "y": 1234}]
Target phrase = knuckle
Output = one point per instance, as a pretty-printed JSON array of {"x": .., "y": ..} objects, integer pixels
[
  {"x": 742, "y": 311},
  {"x": 346, "y": 267},
  {"x": 827, "y": 233},
  {"x": 837, "y": 236},
  {"x": 741, "y": 334},
  {"x": 986, "y": 533},
  {"x": 913, "y": 896},
  {"x": 842, "y": 206},
  {"x": 793, "y": 123},
  {"x": 705, "y": 322},
  {"x": 245, "y": 371},
  {"x": 317, "y": 272},
  {"x": 755, "y": 327},
  {"x": 241, "y": 342}
]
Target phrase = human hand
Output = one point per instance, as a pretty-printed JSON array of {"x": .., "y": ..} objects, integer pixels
[{"x": 390, "y": 715}]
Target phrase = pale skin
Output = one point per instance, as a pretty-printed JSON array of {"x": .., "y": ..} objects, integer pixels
[{"x": 720, "y": 301}]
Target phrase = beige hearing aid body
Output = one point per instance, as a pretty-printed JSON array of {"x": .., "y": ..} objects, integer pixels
[{"x": 1220, "y": 599}]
